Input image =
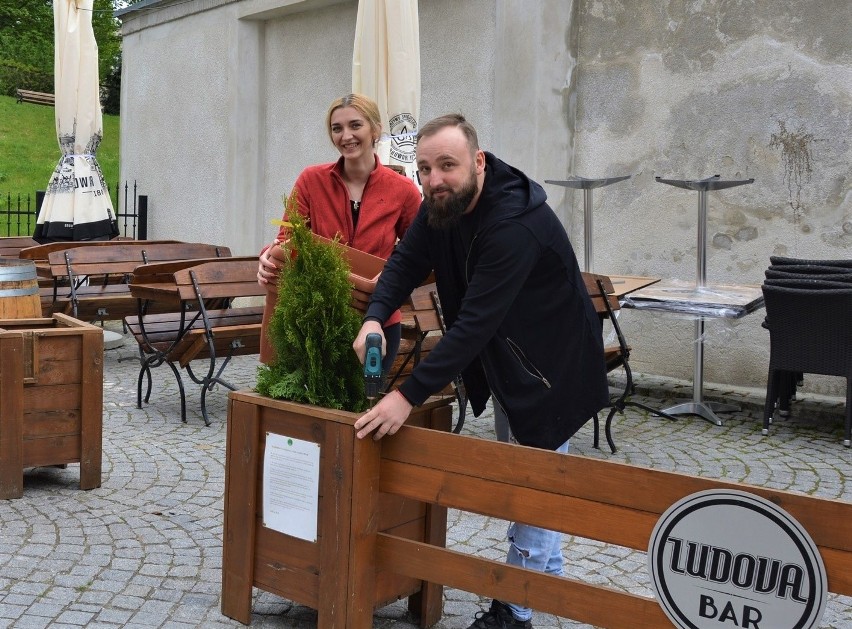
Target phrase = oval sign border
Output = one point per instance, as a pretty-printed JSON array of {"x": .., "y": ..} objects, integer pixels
[{"x": 773, "y": 513}]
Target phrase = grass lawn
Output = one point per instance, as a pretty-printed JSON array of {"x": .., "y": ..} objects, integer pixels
[{"x": 29, "y": 150}]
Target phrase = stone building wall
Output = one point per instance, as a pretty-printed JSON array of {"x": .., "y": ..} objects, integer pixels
[
  {"x": 686, "y": 90},
  {"x": 223, "y": 104}
]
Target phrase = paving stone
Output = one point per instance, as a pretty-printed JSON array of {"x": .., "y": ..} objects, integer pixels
[{"x": 145, "y": 549}]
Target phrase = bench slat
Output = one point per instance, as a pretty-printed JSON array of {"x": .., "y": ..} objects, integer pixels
[
  {"x": 39, "y": 98},
  {"x": 41, "y": 252},
  {"x": 114, "y": 261}
]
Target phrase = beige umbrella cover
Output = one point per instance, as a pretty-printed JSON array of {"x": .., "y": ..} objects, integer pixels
[
  {"x": 386, "y": 67},
  {"x": 76, "y": 205}
]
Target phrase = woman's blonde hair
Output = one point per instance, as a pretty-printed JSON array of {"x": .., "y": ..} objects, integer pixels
[{"x": 366, "y": 106}]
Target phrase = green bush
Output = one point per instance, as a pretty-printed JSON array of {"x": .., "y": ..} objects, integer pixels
[
  {"x": 14, "y": 75},
  {"x": 313, "y": 327},
  {"x": 111, "y": 90}
]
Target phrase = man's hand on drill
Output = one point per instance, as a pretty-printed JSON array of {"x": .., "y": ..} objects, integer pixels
[
  {"x": 360, "y": 342},
  {"x": 385, "y": 418}
]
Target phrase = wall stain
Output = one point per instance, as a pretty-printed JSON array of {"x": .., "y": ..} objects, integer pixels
[{"x": 796, "y": 162}]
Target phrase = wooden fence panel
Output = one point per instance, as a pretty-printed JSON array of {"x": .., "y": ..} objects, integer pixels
[{"x": 614, "y": 503}]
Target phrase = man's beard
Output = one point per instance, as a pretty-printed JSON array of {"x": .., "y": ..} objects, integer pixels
[{"x": 446, "y": 212}]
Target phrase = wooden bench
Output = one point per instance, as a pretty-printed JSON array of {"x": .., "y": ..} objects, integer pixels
[
  {"x": 11, "y": 246},
  {"x": 39, "y": 254},
  {"x": 97, "y": 277},
  {"x": 39, "y": 98},
  {"x": 601, "y": 291},
  {"x": 422, "y": 329},
  {"x": 192, "y": 330}
]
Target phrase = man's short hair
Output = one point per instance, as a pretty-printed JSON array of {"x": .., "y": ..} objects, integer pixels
[{"x": 450, "y": 120}]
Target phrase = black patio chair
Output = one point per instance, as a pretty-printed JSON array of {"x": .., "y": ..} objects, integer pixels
[
  {"x": 781, "y": 273},
  {"x": 807, "y": 282},
  {"x": 782, "y": 261},
  {"x": 794, "y": 380},
  {"x": 809, "y": 332}
]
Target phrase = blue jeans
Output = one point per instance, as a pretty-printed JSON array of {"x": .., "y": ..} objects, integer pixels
[{"x": 529, "y": 546}]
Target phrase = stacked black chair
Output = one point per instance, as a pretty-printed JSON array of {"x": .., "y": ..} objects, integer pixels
[
  {"x": 807, "y": 314},
  {"x": 836, "y": 274},
  {"x": 780, "y": 261}
]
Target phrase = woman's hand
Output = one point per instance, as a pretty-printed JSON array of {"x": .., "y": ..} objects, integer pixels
[{"x": 270, "y": 264}]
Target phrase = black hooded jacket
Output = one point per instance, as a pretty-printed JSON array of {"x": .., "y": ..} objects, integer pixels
[{"x": 520, "y": 321}]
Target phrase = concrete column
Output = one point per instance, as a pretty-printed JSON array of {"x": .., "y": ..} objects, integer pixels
[
  {"x": 535, "y": 59},
  {"x": 243, "y": 215}
]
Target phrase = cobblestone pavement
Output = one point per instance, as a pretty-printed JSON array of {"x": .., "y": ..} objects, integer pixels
[{"x": 145, "y": 550}]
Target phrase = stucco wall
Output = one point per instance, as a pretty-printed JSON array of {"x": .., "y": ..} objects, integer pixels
[
  {"x": 175, "y": 126},
  {"x": 309, "y": 63},
  {"x": 688, "y": 90},
  {"x": 223, "y": 103}
]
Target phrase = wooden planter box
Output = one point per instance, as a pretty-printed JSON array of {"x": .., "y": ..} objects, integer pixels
[
  {"x": 336, "y": 574},
  {"x": 364, "y": 271},
  {"x": 51, "y": 398}
]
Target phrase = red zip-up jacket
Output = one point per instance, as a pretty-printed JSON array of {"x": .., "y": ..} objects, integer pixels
[{"x": 389, "y": 204}]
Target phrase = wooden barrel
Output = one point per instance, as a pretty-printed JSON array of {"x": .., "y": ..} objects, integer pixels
[{"x": 19, "y": 298}]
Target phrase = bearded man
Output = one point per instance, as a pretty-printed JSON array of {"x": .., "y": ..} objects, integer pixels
[{"x": 520, "y": 324}]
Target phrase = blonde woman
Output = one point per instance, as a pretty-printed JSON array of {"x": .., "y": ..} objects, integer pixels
[{"x": 368, "y": 205}]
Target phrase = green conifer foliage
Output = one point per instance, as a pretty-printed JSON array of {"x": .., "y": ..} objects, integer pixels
[{"x": 313, "y": 326}]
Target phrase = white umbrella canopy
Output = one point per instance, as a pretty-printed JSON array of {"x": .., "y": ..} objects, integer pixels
[
  {"x": 76, "y": 205},
  {"x": 386, "y": 67}
]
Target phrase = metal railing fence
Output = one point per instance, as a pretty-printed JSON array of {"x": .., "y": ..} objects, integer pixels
[{"x": 19, "y": 211}]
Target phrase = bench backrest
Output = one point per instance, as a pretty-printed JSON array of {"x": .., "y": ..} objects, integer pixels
[
  {"x": 220, "y": 279},
  {"x": 43, "y": 251},
  {"x": 591, "y": 281},
  {"x": 30, "y": 96},
  {"x": 124, "y": 258},
  {"x": 11, "y": 246}
]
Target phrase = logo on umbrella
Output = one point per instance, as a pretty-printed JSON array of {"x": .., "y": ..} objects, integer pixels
[{"x": 403, "y": 128}]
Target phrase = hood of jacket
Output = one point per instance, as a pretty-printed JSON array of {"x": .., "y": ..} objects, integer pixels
[{"x": 506, "y": 193}]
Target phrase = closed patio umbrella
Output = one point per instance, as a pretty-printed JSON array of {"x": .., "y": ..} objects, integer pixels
[
  {"x": 386, "y": 67},
  {"x": 76, "y": 205}
]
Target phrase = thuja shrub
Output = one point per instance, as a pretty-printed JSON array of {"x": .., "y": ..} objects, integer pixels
[{"x": 313, "y": 326}]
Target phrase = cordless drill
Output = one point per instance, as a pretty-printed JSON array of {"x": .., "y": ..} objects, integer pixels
[{"x": 373, "y": 367}]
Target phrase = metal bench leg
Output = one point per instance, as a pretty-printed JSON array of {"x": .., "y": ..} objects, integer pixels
[
  {"x": 157, "y": 361},
  {"x": 461, "y": 397},
  {"x": 144, "y": 370},
  {"x": 596, "y": 440},
  {"x": 210, "y": 380},
  {"x": 180, "y": 388}
]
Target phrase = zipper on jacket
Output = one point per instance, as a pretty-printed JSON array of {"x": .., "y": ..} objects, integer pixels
[
  {"x": 467, "y": 259},
  {"x": 524, "y": 361}
]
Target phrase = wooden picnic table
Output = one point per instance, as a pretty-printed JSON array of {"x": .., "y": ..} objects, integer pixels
[
  {"x": 90, "y": 281},
  {"x": 196, "y": 319},
  {"x": 625, "y": 284}
]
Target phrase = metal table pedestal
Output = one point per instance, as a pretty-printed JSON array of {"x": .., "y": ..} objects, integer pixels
[
  {"x": 699, "y": 406},
  {"x": 586, "y": 185}
]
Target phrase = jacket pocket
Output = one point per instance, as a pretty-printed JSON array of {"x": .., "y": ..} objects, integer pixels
[{"x": 525, "y": 362}]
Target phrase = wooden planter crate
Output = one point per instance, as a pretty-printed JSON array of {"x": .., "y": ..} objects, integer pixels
[
  {"x": 336, "y": 574},
  {"x": 51, "y": 398},
  {"x": 364, "y": 271}
]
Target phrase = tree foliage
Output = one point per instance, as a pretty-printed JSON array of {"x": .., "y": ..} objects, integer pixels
[
  {"x": 27, "y": 41},
  {"x": 313, "y": 326}
]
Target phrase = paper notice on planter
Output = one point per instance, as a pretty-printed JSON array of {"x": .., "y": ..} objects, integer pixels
[{"x": 291, "y": 486}]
